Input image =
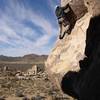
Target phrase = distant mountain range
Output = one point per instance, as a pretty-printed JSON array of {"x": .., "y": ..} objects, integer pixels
[{"x": 25, "y": 58}]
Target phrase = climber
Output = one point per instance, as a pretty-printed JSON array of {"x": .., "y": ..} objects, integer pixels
[{"x": 66, "y": 19}]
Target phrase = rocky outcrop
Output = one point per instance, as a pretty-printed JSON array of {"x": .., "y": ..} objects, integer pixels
[
  {"x": 85, "y": 84},
  {"x": 67, "y": 52},
  {"x": 77, "y": 6}
]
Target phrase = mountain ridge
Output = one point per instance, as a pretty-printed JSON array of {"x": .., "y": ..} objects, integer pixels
[{"x": 28, "y": 57}]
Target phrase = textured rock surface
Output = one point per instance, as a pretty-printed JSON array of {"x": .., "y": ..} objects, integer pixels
[
  {"x": 93, "y": 6},
  {"x": 67, "y": 52},
  {"x": 84, "y": 84},
  {"x": 77, "y": 6}
]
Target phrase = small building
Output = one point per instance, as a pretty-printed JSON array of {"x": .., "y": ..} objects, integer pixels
[
  {"x": 32, "y": 71},
  {"x": 5, "y": 69},
  {"x": 35, "y": 69}
]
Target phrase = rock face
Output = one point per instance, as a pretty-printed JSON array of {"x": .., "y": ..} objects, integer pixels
[
  {"x": 85, "y": 84},
  {"x": 77, "y": 6},
  {"x": 67, "y": 52},
  {"x": 93, "y": 6},
  {"x": 66, "y": 57}
]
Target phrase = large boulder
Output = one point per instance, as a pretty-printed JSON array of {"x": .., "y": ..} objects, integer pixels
[
  {"x": 84, "y": 82},
  {"x": 67, "y": 52}
]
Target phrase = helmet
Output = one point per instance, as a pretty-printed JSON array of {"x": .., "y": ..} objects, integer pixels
[{"x": 59, "y": 12}]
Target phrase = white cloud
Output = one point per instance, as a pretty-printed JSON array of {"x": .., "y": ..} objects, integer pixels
[{"x": 11, "y": 26}]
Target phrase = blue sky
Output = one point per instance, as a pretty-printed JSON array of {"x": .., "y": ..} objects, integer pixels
[{"x": 27, "y": 26}]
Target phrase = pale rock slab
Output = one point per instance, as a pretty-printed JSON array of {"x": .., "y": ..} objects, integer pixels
[{"x": 67, "y": 52}]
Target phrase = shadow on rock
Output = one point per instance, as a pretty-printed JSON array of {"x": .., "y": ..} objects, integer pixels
[{"x": 85, "y": 84}]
